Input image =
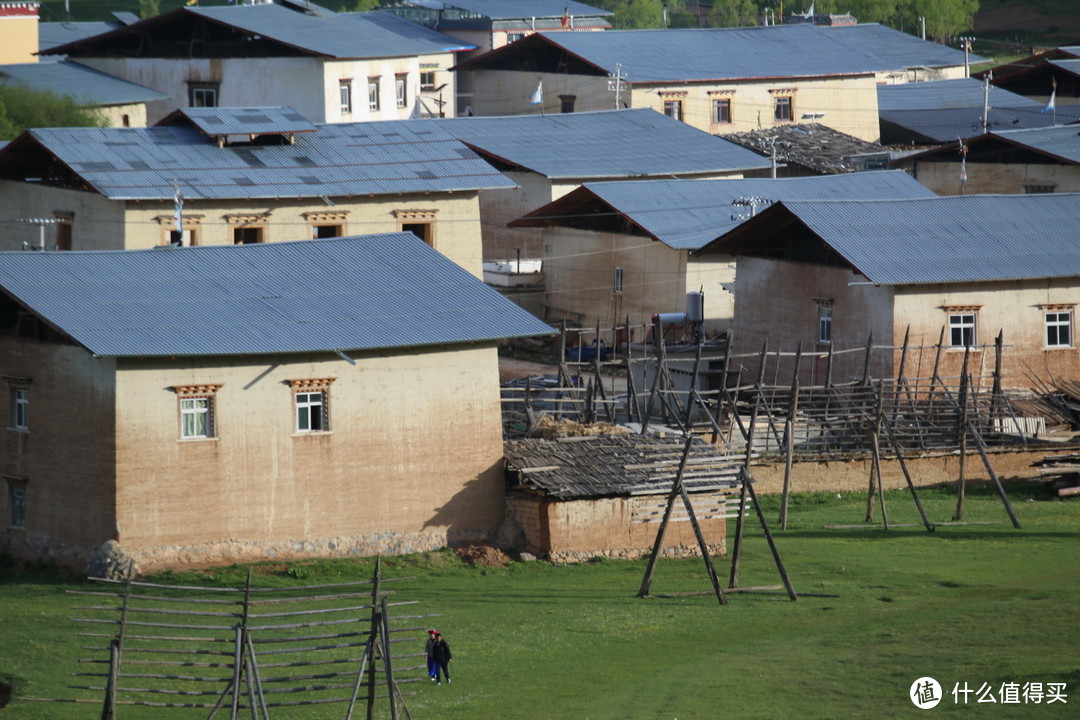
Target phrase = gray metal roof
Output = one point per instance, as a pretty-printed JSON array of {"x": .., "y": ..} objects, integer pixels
[
  {"x": 941, "y": 126},
  {"x": 941, "y": 94},
  {"x": 602, "y": 144},
  {"x": 965, "y": 238},
  {"x": 1061, "y": 143},
  {"x": 515, "y": 9},
  {"x": 901, "y": 49},
  {"x": 1070, "y": 66},
  {"x": 54, "y": 34},
  {"x": 373, "y": 292},
  {"x": 687, "y": 214},
  {"x": 248, "y": 121},
  {"x": 378, "y": 158},
  {"x": 88, "y": 86}
]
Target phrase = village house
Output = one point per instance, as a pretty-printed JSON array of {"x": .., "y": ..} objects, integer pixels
[
  {"x": 490, "y": 24},
  {"x": 1040, "y": 160},
  {"x": 718, "y": 80},
  {"x": 120, "y": 103},
  {"x": 18, "y": 31},
  {"x": 242, "y": 176},
  {"x": 909, "y": 58},
  {"x": 330, "y": 67},
  {"x": 1053, "y": 72},
  {"x": 223, "y": 403},
  {"x": 564, "y": 151},
  {"x": 619, "y": 250},
  {"x": 828, "y": 274},
  {"x": 810, "y": 149}
]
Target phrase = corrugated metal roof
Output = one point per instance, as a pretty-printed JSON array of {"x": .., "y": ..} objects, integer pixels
[
  {"x": 941, "y": 126},
  {"x": 603, "y": 144},
  {"x": 359, "y": 293},
  {"x": 941, "y": 94},
  {"x": 687, "y": 214},
  {"x": 1070, "y": 66},
  {"x": 87, "y": 85},
  {"x": 966, "y": 238},
  {"x": 54, "y": 34},
  {"x": 719, "y": 53},
  {"x": 1061, "y": 142},
  {"x": 514, "y": 9},
  {"x": 248, "y": 121},
  {"x": 359, "y": 35},
  {"x": 378, "y": 158},
  {"x": 900, "y": 49}
]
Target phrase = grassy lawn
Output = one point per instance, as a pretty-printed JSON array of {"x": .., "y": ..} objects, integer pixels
[{"x": 975, "y": 604}]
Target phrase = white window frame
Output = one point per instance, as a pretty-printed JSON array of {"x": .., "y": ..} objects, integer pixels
[
  {"x": 618, "y": 280},
  {"x": 306, "y": 415},
  {"x": 963, "y": 324},
  {"x": 401, "y": 90},
  {"x": 199, "y": 410},
  {"x": 373, "y": 93},
  {"x": 783, "y": 105},
  {"x": 674, "y": 108},
  {"x": 430, "y": 85},
  {"x": 1058, "y": 321},
  {"x": 20, "y": 408},
  {"x": 717, "y": 104},
  {"x": 825, "y": 323},
  {"x": 204, "y": 91},
  {"x": 345, "y": 93}
]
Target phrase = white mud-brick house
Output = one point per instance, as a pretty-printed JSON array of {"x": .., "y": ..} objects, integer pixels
[
  {"x": 243, "y": 175},
  {"x": 235, "y": 403},
  {"x": 618, "y": 250},
  {"x": 330, "y": 67},
  {"x": 957, "y": 271}
]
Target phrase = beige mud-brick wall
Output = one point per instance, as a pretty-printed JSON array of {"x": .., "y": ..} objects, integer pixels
[
  {"x": 18, "y": 32},
  {"x": 96, "y": 223},
  {"x": 412, "y": 460},
  {"x": 66, "y": 458},
  {"x": 994, "y": 178}
]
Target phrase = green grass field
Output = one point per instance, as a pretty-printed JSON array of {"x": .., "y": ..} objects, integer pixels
[{"x": 975, "y": 604}]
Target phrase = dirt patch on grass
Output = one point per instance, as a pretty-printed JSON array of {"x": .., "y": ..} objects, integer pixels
[{"x": 483, "y": 555}]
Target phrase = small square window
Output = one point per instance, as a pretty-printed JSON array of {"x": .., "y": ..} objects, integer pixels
[
  {"x": 17, "y": 503},
  {"x": 427, "y": 81},
  {"x": 345, "y": 90},
  {"x": 782, "y": 108},
  {"x": 203, "y": 94},
  {"x": 1059, "y": 329},
  {"x": 373, "y": 93},
  {"x": 674, "y": 108},
  {"x": 247, "y": 235},
  {"x": 20, "y": 408},
  {"x": 321, "y": 232},
  {"x": 196, "y": 417},
  {"x": 721, "y": 111},
  {"x": 567, "y": 102},
  {"x": 961, "y": 329},
  {"x": 311, "y": 412}
]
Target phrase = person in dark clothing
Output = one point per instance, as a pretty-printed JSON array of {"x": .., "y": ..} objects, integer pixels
[
  {"x": 442, "y": 655},
  {"x": 432, "y": 669}
]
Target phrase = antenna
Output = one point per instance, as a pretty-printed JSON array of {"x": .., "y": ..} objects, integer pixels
[{"x": 616, "y": 84}]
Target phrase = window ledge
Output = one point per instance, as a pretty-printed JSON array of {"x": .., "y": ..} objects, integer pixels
[
  {"x": 24, "y": 431},
  {"x": 309, "y": 433},
  {"x": 197, "y": 439}
]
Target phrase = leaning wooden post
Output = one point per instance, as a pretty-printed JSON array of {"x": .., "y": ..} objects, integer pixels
[
  {"x": 693, "y": 386},
  {"x": 994, "y": 477},
  {"x": 997, "y": 400},
  {"x": 723, "y": 386},
  {"x": 879, "y": 413},
  {"x": 965, "y": 389},
  {"x": 108, "y": 709},
  {"x": 748, "y": 483},
  {"x": 646, "y": 581},
  {"x": 907, "y": 475},
  {"x": 388, "y": 665},
  {"x": 733, "y": 580},
  {"x": 789, "y": 452},
  {"x": 866, "y": 360},
  {"x": 704, "y": 546},
  {"x": 373, "y": 637}
]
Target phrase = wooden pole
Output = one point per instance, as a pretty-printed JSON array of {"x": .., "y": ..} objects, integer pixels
[
  {"x": 373, "y": 636},
  {"x": 108, "y": 708},
  {"x": 789, "y": 452},
  {"x": 646, "y": 581},
  {"x": 907, "y": 475},
  {"x": 866, "y": 360},
  {"x": 994, "y": 477},
  {"x": 733, "y": 580},
  {"x": 965, "y": 389},
  {"x": 748, "y": 483},
  {"x": 388, "y": 666},
  {"x": 879, "y": 416},
  {"x": 705, "y": 554},
  {"x": 723, "y": 394}
]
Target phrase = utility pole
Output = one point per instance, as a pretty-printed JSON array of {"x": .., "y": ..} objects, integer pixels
[
  {"x": 967, "y": 49},
  {"x": 616, "y": 83},
  {"x": 986, "y": 100}
]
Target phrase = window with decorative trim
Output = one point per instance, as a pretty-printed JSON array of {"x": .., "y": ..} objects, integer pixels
[
  {"x": 19, "y": 403},
  {"x": 673, "y": 103},
  {"x": 721, "y": 111},
  {"x": 311, "y": 399},
  {"x": 16, "y": 492},
  {"x": 783, "y": 105},
  {"x": 248, "y": 229},
  {"x": 1059, "y": 321},
  {"x": 192, "y": 229},
  {"x": 963, "y": 328},
  {"x": 196, "y": 407},
  {"x": 825, "y": 317},
  {"x": 1039, "y": 188},
  {"x": 427, "y": 77},
  {"x": 420, "y": 223},
  {"x": 567, "y": 102},
  {"x": 327, "y": 224}
]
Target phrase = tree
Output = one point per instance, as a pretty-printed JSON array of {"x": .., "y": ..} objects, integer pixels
[
  {"x": 149, "y": 8},
  {"x": 23, "y": 107},
  {"x": 944, "y": 18},
  {"x": 733, "y": 13}
]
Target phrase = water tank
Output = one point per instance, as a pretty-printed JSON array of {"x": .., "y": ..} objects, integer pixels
[{"x": 695, "y": 307}]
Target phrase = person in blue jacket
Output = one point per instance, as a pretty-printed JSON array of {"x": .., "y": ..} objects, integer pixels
[{"x": 432, "y": 669}]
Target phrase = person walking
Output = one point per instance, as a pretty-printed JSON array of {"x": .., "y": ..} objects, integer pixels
[
  {"x": 432, "y": 668},
  {"x": 442, "y": 655}
]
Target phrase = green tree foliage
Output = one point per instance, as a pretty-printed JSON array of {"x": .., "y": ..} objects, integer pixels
[
  {"x": 149, "y": 8},
  {"x": 365, "y": 5},
  {"x": 23, "y": 107},
  {"x": 944, "y": 18},
  {"x": 733, "y": 13}
]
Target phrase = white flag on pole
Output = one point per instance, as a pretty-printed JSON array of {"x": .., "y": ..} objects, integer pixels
[{"x": 537, "y": 98}]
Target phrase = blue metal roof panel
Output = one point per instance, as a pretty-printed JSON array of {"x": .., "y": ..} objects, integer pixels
[
  {"x": 720, "y": 53},
  {"x": 602, "y": 144},
  {"x": 249, "y": 120},
  {"x": 942, "y": 94},
  {"x": 374, "y": 34},
  {"x": 337, "y": 160},
  {"x": 1070, "y": 66},
  {"x": 901, "y": 49},
  {"x": 85, "y": 84},
  {"x": 515, "y": 9},
  {"x": 967, "y": 238},
  {"x": 687, "y": 214},
  {"x": 54, "y": 34},
  {"x": 1062, "y": 141},
  {"x": 946, "y": 125},
  {"x": 374, "y": 292}
]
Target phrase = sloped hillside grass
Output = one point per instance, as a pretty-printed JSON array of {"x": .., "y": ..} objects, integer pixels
[{"x": 965, "y": 604}]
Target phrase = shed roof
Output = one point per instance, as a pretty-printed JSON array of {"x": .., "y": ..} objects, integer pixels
[
  {"x": 946, "y": 125},
  {"x": 687, "y": 214},
  {"x": 372, "y": 292},
  {"x": 900, "y": 49},
  {"x": 270, "y": 120},
  {"x": 516, "y": 9},
  {"x": 88, "y": 86},
  {"x": 659, "y": 56},
  {"x": 597, "y": 144},
  {"x": 942, "y": 94},
  {"x": 615, "y": 466},
  {"x": 54, "y": 34},
  {"x": 376, "y": 158},
  {"x": 956, "y": 239},
  {"x": 360, "y": 35},
  {"x": 815, "y": 147},
  {"x": 1061, "y": 143}
]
